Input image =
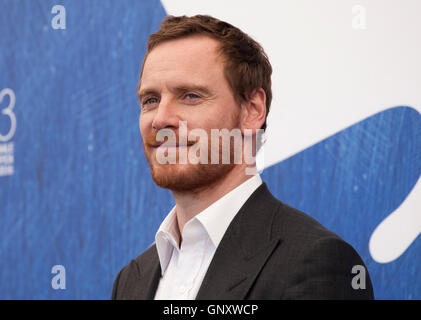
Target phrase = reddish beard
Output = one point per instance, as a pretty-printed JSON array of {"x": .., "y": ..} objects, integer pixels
[{"x": 187, "y": 177}]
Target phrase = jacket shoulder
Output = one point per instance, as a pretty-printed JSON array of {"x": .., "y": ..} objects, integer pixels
[
  {"x": 314, "y": 262},
  {"x": 293, "y": 223}
]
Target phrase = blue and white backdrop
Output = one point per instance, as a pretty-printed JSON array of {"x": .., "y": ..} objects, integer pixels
[{"x": 344, "y": 134}]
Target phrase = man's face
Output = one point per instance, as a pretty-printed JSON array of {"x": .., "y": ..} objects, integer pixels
[{"x": 183, "y": 80}]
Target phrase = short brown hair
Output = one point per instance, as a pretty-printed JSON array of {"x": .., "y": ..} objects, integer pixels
[{"x": 247, "y": 66}]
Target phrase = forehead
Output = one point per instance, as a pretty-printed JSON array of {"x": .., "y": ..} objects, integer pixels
[{"x": 195, "y": 58}]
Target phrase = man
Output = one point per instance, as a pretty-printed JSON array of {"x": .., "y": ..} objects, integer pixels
[{"x": 227, "y": 237}]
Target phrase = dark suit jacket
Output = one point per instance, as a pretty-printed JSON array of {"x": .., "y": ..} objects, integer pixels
[{"x": 269, "y": 251}]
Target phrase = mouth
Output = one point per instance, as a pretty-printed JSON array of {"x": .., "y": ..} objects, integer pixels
[{"x": 169, "y": 145}]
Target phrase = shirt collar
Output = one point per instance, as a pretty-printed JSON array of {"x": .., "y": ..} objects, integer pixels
[
  {"x": 217, "y": 217},
  {"x": 165, "y": 239},
  {"x": 215, "y": 220}
]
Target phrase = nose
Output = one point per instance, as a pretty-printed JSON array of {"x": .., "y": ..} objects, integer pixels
[{"x": 166, "y": 115}]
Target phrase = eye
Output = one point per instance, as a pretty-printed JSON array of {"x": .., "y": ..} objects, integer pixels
[
  {"x": 150, "y": 101},
  {"x": 191, "y": 96}
]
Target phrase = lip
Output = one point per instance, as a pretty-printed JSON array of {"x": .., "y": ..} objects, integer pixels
[{"x": 170, "y": 145}]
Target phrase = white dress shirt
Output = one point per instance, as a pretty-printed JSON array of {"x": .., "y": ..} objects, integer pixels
[{"x": 183, "y": 268}]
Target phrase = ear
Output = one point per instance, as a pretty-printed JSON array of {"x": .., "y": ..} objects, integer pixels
[{"x": 254, "y": 111}]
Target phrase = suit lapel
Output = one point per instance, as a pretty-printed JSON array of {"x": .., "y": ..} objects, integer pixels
[
  {"x": 148, "y": 273},
  {"x": 244, "y": 249}
]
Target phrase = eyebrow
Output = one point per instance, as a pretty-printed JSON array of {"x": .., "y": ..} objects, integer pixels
[
  {"x": 145, "y": 92},
  {"x": 178, "y": 89},
  {"x": 184, "y": 88}
]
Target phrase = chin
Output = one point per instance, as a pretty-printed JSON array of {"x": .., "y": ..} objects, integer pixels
[{"x": 188, "y": 177}]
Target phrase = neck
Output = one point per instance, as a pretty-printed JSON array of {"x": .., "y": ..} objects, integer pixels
[{"x": 190, "y": 203}]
